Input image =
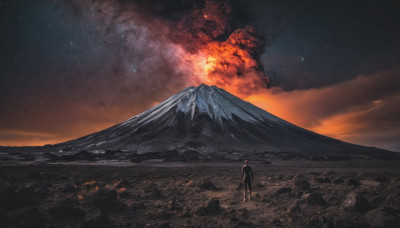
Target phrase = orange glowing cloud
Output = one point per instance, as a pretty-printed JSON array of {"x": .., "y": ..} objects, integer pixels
[
  {"x": 230, "y": 64},
  {"x": 358, "y": 111}
]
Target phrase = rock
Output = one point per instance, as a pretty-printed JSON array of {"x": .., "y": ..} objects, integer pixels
[
  {"x": 123, "y": 183},
  {"x": 277, "y": 222},
  {"x": 314, "y": 221},
  {"x": 187, "y": 212},
  {"x": 315, "y": 198},
  {"x": 122, "y": 192},
  {"x": 211, "y": 208},
  {"x": 164, "y": 214},
  {"x": 383, "y": 217},
  {"x": 301, "y": 183},
  {"x": 352, "y": 182},
  {"x": 90, "y": 186},
  {"x": 81, "y": 155},
  {"x": 376, "y": 200},
  {"x": 323, "y": 180},
  {"x": 338, "y": 181},
  {"x": 173, "y": 206},
  {"x": 319, "y": 221},
  {"x": 152, "y": 190},
  {"x": 259, "y": 185},
  {"x": 207, "y": 185},
  {"x": 105, "y": 200},
  {"x": 355, "y": 201},
  {"x": 156, "y": 193},
  {"x": 42, "y": 193},
  {"x": 68, "y": 187},
  {"x": 283, "y": 190},
  {"x": 190, "y": 156}
]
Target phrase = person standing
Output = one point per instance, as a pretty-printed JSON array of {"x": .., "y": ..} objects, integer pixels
[{"x": 247, "y": 177}]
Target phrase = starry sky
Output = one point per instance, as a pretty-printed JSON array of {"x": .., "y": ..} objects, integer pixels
[{"x": 70, "y": 68}]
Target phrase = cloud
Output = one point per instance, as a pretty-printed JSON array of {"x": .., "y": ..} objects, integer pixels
[
  {"x": 364, "y": 110},
  {"x": 26, "y": 138}
]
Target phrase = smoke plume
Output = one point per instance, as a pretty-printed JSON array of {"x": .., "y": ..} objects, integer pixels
[{"x": 171, "y": 43}]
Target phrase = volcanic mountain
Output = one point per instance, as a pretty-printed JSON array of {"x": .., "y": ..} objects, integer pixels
[{"x": 208, "y": 119}]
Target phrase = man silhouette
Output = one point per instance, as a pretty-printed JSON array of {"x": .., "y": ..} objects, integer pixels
[{"x": 247, "y": 177}]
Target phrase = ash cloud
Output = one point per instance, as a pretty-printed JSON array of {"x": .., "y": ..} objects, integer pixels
[
  {"x": 153, "y": 38},
  {"x": 97, "y": 63}
]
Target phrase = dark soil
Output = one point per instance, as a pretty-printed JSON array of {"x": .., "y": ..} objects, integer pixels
[{"x": 315, "y": 193}]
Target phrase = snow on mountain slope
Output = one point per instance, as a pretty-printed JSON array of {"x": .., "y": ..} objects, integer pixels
[{"x": 206, "y": 118}]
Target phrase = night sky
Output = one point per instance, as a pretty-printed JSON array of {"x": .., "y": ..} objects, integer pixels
[{"x": 70, "y": 68}]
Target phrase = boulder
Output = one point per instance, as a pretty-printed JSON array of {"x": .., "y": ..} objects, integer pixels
[
  {"x": 315, "y": 198},
  {"x": 283, "y": 190},
  {"x": 105, "y": 200},
  {"x": 207, "y": 185},
  {"x": 352, "y": 182},
  {"x": 123, "y": 183},
  {"x": 68, "y": 187},
  {"x": 301, "y": 183},
  {"x": 338, "y": 180},
  {"x": 211, "y": 208},
  {"x": 152, "y": 190},
  {"x": 323, "y": 180},
  {"x": 355, "y": 201},
  {"x": 123, "y": 192},
  {"x": 187, "y": 212}
]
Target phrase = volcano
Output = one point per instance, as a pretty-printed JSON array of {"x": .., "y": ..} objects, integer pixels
[{"x": 208, "y": 119}]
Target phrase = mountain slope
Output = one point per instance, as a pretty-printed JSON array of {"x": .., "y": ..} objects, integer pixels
[{"x": 206, "y": 118}]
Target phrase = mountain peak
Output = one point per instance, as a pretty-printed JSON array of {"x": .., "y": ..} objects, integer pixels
[
  {"x": 218, "y": 105},
  {"x": 208, "y": 119},
  {"x": 201, "y": 88}
]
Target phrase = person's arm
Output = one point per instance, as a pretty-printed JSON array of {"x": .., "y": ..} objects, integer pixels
[
  {"x": 242, "y": 172},
  {"x": 251, "y": 171}
]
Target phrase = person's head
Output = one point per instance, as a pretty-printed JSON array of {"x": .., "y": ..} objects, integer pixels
[{"x": 246, "y": 162}]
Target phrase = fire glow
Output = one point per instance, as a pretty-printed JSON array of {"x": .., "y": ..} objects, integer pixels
[{"x": 229, "y": 65}]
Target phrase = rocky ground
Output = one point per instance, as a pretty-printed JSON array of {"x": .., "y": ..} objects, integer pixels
[{"x": 287, "y": 193}]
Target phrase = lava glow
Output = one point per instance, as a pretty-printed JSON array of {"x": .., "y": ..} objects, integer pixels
[{"x": 230, "y": 64}]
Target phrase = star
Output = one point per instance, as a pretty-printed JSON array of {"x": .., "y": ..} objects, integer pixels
[{"x": 133, "y": 69}]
